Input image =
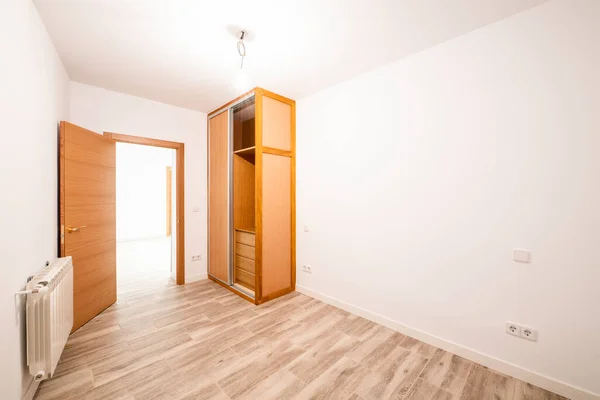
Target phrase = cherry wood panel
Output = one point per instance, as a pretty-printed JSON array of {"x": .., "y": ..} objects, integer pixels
[
  {"x": 232, "y": 289},
  {"x": 245, "y": 278},
  {"x": 276, "y": 224},
  {"x": 89, "y": 183},
  {"x": 244, "y": 263},
  {"x": 245, "y": 251},
  {"x": 245, "y": 237},
  {"x": 218, "y": 182},
  {"x": 243, "y": 194},
  {"x": 145, "y": 141},
  {"x": 169, "y": 207},
  {"x": 88, "y": 147},
  {"x": 278, "y": 152},
  {"x": 258, "y": 129},
  {"x": 95, "y": 286},
  {"x": 99, "y": 222},
  {"x": 277, "y": 120},
  {"x": 87, "y": 166},
  {"x": 274, "y": 134}
]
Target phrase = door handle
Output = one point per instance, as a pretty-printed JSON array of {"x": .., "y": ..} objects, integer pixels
[{"x": 75, "y": 229}]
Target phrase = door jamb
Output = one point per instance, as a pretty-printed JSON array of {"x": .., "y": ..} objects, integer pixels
[{"x": 180, "y": 185}]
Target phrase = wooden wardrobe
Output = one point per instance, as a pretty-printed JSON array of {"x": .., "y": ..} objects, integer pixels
[{"x": 251, "y": 195}]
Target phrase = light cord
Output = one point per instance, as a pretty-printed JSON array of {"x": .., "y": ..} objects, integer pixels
[{"x": 241, "y": 48}]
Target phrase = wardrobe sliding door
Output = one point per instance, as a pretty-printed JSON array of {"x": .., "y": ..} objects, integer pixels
[{"x": 218, "y": 199}]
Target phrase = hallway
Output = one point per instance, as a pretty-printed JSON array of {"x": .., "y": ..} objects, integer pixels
[{"x": 143, "y": 263}]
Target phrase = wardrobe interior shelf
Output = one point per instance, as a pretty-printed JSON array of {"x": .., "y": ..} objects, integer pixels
[
  {"x": 247, "y": 230},
  {"x": 248, "y": 153},
  {"x": 247, "y": 150}
]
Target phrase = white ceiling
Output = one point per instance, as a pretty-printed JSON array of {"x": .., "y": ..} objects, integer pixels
[{"x": 183, "y": 52}]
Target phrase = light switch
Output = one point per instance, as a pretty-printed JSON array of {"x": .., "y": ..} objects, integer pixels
[
  {"x": 196, "y": 209},
  {"x": 306, "y": 229},
  {"x": 523, "y": 256}
]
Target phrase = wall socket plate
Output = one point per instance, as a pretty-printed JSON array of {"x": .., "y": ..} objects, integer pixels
[
  {"x": 197, "y": 257},
  {"x": 529, "y": 333},
  {"x": 513, "y": 329},
  {"x": 524, "y": 332},
  {"x": 307, "y": 269}
]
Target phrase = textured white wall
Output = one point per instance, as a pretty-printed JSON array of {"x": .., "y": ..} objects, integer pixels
[
  {"x": 419, "y": 178},
  {"x": 33, "y": 99},
  {"x": 103, "y": 110}
]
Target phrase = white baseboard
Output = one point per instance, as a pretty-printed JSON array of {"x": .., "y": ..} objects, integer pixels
[
  {"x": 194, "y": 278},
  {"x": 504, "y": 367},
  {"x": 31, "y": 389}
]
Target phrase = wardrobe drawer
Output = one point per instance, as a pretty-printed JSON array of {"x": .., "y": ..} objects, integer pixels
[
  {"x": 245, "y": 264},
  {"x": 244, "y": 238},
  {"x": 245, "y": 278},
  {"x": 244, "y": 251}
]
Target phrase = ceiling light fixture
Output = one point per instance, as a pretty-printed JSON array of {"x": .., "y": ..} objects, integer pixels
[{"x": 241, "y": 47}]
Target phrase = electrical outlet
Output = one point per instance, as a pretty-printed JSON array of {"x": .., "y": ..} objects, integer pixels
[
  {"x": 197, "y": 258},
  {"x": 521, "y": 331},
  {"x": 307, "y": 269},
  {"x": 513, "y": 329},
  {"x": 529, "y": 334}
]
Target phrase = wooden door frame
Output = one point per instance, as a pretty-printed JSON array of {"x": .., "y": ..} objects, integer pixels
[
  {"x": 169, "y": 217},
  {"x": 180, "y": 190}
]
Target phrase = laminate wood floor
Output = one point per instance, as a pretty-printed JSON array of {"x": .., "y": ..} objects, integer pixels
[{"x": 200, "y": 341}]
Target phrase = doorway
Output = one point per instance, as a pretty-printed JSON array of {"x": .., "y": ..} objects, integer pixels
[
  {"x": 145, "y": 189},
  {"x": 87, "y": 226},
  {"x": 150, "y": 231}
]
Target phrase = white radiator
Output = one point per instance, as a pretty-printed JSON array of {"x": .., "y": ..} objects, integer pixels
[{"x": 49, "y": 313}]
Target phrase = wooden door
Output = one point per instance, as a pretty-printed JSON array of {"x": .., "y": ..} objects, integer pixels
[
  {"x": 218, "y": 195},
  {"x": 88, "y": 218}
]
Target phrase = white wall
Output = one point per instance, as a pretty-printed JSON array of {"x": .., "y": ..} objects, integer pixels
[
  {"x": 419, "y": 178},
  {"x": 33, "y": 99},
  {"x": 102, "y": 110},
  {"x": 142, "y": 191}
]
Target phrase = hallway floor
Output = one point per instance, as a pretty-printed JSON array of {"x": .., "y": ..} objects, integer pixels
[
  {"x": 200, "y": 341},
  {"x": 143, "y": 263}
]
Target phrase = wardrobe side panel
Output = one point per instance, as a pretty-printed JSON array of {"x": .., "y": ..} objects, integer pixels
[
  {"x": 276, "y": 224},
  {"x": 218, "y": 192}
]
